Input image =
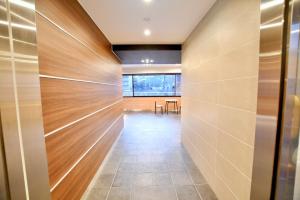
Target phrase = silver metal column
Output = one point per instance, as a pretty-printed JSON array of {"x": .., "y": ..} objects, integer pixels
[
  {"x": 268, "y": 100},
  {"x": 20, "y": 103},
  {"x": 4, "y": 189},
  {"x": 289, "y": 136}
]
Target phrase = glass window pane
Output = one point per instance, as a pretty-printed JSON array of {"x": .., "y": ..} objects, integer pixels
[
  {"x": 178, "y": 84},
  {"x": 127, "y": 86},
  {"x": 154, "y": 85}
]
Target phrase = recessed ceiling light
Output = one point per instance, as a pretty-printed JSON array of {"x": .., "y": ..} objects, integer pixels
[
  {"x": 147, "y": 1},
  {"x": 147, "y": 32},
  {"x": 147, "y": 61}
]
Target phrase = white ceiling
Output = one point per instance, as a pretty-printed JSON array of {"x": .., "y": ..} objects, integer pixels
[{"x": 122, "y": 21}]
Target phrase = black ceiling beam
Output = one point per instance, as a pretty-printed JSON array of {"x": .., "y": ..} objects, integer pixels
[
  {"x": 137, "y": 47},
  {"x": 158, "y": 53}
]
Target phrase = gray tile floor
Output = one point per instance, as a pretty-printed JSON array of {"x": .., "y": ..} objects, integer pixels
[{"x": 148, "y": 162}]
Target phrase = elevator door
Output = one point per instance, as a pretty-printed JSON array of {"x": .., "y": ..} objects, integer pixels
[{"x": 288, "y": 166}]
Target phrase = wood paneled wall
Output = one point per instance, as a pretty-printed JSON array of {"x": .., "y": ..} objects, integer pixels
[
  {"x": 146, "y": 103},
  {"x": 81, "y": 95}
]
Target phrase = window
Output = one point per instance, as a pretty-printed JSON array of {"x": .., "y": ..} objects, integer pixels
[
  {"x": 178, "y": 84},
  {"x": 127, "y": 86},
  {"x": 152, "y": 85}
]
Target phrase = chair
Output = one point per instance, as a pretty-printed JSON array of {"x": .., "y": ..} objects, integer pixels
[
  {"x": 179, "y": 110},
  {"x": 158, "y": 106}
]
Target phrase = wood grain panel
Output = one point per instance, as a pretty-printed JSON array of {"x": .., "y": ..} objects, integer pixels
[
  {"x": 66, "y": 146},
  {"x": 75, "y": 183},
  {"x": 63, "y": 56},
  {"x": 70, "y": 16},
  {"x": 66, "y": 101},
  {"x": 146, "y": 103},
  {"x": 71, "y": 46}
]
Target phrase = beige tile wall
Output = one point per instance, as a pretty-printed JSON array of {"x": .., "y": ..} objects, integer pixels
[{"x": 220, "y": 71}]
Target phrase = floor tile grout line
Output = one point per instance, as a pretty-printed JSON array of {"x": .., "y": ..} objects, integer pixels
[
  {"x": 198, "y": 192},
  {"x": 131, "y": 193},
  {"x": 174, "y": 186},
  {"x": 194, "y": 184},
  {"x": 99, "y": 171},
  {"x": 178, "y": 152},
  {"x": 229, "y": 188},
  {"x": 201, "y": 184},
  {"x": 115, "y": 174},
  {"x": 82, "y": 157}
]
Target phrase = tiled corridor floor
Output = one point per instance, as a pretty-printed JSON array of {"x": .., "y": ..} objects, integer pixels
[{"x": 148, "y": 162}]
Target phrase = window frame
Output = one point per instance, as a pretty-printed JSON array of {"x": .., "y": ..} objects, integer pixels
[{"x": 151, "y": 74}]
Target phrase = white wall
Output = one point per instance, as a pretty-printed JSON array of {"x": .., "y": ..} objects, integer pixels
[{"x": 150, "y": 69}]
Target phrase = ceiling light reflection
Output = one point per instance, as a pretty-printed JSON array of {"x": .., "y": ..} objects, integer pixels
[
  {"x": 18, "y": 16},
  {"x": 272, "y": 25},
  {"x": 22, "y": 26},
  {"x": 23, "y": 4},
  {"x": 270, "y": 4}
]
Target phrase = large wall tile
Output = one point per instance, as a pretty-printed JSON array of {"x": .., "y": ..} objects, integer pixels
[
  {"x": 242, "y": 159},
  {"x": 240, "y": 62},
  {"x": 239, "y": 93},
  {"x": 220, "y": 76},
  {"x": 207, "y": 131},
  {"x": 222, "y": 190},
  {"x": 238, "y": 183},
  {"x": 238, "y": 123}
]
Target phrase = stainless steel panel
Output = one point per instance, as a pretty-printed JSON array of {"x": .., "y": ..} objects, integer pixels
[
  {"x": 289, "y": 137},
  {"x": 30, "y": 115},
  {"x": 8, "y": 113},
  {"x": 10, "y": 131},
  {"x": 20, "y": 102},
  {"x": 4, "y": 189},
  {"x": 271, "y": 39}
]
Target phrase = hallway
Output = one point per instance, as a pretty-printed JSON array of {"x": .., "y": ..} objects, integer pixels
[
  {"x": 86, "y": 87},
  {"x": 148, "y": 162}
]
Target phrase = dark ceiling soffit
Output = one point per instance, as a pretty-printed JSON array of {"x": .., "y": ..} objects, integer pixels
[{"x": 138, "y": 47}]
